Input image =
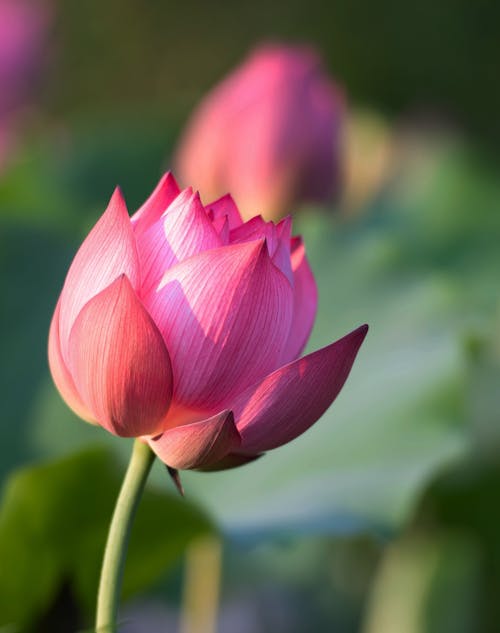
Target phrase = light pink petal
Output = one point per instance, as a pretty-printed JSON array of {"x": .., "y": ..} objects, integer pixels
[
  {"x": 163, "y": 195},
  {"x": 119, "y": 362},
  {"x": 60, "y": 374},
  {"x": 108, "y": 252},
  {"x": 226, "y": 206},
  {"x": 182, "y": 232},
  {"x": 287, "y": 402},
  {"x": 305, "y": 302},
  {"x": 198, "y": 444},
  {"x": 224, "y": 315}
]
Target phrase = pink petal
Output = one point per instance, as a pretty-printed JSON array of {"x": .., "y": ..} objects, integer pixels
[
  {"x": 231, "y": 460},
  {"x": 287, "y": 402},
  {"x": 284, "y": 228},
  {"x": 108, "y": 252},
  {"x": 60, "y": 374},
  {"x": 224, "y": 315},
  {"x": 164, "y": 194},
  {"x": 253, "y": 229},
  {"x": 119, "y": 362},
  {"x": 182, "y": 232},
  {"x": 281, "y": 258},
  {"x": 279, "y": 247},
  {"x": 221, "y": 226},
  {"x": 198, "y": 444},
  {"x": 305, "y": 302},
  {"x": 226, "y": 206}
]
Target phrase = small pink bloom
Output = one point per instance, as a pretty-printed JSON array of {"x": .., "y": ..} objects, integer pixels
[
  {"x": 184, "y": 325},
  {"x": 269, "y": 133},
  {"x": 23, "y": 34}
]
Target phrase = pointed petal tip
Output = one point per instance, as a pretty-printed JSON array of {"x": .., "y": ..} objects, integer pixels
[
  {"x": 284, "y": 226},
  {"x": 360, "y": 332},
  {"x": 176, "y": 478},
  {"x": 117, "y": 196},
  {"x": 168, "y": 176},
  {"x": 280, "y": 408}
]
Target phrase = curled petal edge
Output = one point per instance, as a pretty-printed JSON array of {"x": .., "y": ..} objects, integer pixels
[
  {"x": 198, "y": 444},
  {"x": 60, "y": 373}
]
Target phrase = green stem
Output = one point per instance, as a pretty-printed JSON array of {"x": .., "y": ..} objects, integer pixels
[
  {"x": 116, "y": 547},
  {"x": 202, "y": 581}
]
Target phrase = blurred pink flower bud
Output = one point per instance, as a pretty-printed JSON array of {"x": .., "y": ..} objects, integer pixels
[
  {"x": 185, "y": 325},
  {"x": 23, "y": 30},
  {"x": 268, "y": 133}
]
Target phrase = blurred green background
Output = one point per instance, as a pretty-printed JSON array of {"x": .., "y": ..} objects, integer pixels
[{"x": 384, "y": 518}]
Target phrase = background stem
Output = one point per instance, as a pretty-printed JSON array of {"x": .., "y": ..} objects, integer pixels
[
  {"x": 201, "y": 585},
  {"x": 116, "y": 547}
]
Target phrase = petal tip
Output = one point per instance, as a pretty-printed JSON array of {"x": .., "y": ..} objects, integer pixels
[{"x": 361, "y": 332}]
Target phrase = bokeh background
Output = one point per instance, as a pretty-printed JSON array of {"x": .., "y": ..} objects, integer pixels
[{"x": 384, "y": 518}]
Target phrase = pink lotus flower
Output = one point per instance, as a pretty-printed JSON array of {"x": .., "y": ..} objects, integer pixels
[
  {"x": 23, "y": 30},
  {"x": 185, "y": 325},
  {"x": 269, "y": 133}
]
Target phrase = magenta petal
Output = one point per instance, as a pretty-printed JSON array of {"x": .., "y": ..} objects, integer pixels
[
  {"x": 305, "y": 302},
  {"x": 281, "y": 258},
  {"x": 119, "y": 362},
  {"x": 182, "y": 232},
  {"x": 198, "y": 444},
  {"x": 108, "y": 252},
  {"x": 288, "y": 401},
  {"x": 231, "y": 460},
  {"x": 221, "y": 226},
  {"x": 224, "y": 315},
  {"x": 284, "y": 228},
  {"x": 163, "y": 195},
  {"x": 226, "y": 207},
  {"x": 253, "y": 229},
  {"x": 60, "y": 374}
]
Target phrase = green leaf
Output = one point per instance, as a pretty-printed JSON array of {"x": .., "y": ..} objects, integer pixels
[{"x": 53, "y": 525}]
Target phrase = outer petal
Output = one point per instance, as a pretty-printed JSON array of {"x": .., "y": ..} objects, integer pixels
[
  {"x": 224, "y": 315},
  {"x": 198, "y": 444},
  {"x": 226, "y": 206},
  {"x": 184, "y": 231},
  {"x": 164, "y": 194},
  {"x": 287, "y": 402},
  {"x": 60, "y": 374},
  {"x": 119, "y": 362},
  {"x": 108, "y": 251},
  {"x": 231, "y": 460},
  {"x": 305, "y": 302}
]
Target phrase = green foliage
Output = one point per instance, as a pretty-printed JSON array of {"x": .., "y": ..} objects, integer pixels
[
  {"x": 54, "y": 519},
  {"x": 419, "y": 264},
  {"x": 426, "y": 584}
]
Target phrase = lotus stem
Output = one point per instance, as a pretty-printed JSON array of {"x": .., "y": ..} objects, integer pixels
[{"x": 119, "y": 531}]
